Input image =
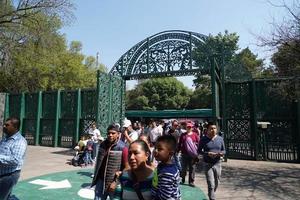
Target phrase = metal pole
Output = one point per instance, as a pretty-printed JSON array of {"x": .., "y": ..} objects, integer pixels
[
  {"x": 38, "y": 119},
  {"x": 57, "y": 119},
  {"x": 22, "y": 112},
  {"x": 78, "y": 116},
  {"x": 253, "y": 119}
]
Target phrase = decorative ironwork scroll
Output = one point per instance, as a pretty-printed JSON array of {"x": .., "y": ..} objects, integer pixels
[{"x": 168, "y": 53}]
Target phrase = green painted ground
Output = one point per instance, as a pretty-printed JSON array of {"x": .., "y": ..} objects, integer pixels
[{"x": 80, "y": 181}]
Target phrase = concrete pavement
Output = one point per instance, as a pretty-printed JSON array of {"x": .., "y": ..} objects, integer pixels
[{"x": 255, "y": 180}]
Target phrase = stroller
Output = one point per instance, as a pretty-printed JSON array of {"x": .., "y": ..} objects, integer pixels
[{"x": 78, "y": 159}]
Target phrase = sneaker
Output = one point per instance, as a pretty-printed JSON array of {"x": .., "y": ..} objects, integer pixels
[{"x": 92, "y": 176}]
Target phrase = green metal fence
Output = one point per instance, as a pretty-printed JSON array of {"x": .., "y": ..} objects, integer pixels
[
  {"x": 272, "y": 101},
  {"x": 55, "y": 118}
]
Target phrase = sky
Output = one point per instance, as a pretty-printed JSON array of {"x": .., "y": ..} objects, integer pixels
[{"x": 111, "y": 27}]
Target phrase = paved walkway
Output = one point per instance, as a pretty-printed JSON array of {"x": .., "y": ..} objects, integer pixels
[{"x": 255, "y": 180}]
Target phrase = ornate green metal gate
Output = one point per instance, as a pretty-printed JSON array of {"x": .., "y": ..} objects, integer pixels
[
  {"x": 164, "y": 54},
  {"x": 111, "y": 106},
  {"x": 272, "y": 101}
]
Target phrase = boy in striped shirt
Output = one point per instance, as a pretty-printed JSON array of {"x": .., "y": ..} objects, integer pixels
[{"x": 165, "y": 183}]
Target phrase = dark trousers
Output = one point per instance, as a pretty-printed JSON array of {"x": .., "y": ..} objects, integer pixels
[
  {"x": 187, "y": 162},
  {"x": 7, "y": 182}
]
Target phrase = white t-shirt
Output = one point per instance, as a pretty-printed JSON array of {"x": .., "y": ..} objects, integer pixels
[
  {"x": 96, "y": 135},
  {"x": 154, "y": 133},
  {"x": 133, "y": 135}
]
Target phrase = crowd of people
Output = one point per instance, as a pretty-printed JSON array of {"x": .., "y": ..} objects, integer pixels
[
  {"x": 150, "y": 162},
  {"x": 133, "y": 161}
]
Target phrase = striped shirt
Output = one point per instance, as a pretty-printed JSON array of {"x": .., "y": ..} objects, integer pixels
[
  {"x": 165, "y": 184},
  {"x": 128, "y": 192},
  {"x": 12, "y": 153}
]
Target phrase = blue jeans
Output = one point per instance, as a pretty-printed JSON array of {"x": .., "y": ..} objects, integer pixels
[
  {"x": 99, "y": 194},
  {"x": 95, "y": 149},
  {"x": 7, "y": 183}
]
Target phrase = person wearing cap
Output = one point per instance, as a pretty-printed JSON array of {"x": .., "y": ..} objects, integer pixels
[
  {"x": 112, "y": 157},
  {"x": 130, "y": 135},
  {"x": 187, "y": 160}
]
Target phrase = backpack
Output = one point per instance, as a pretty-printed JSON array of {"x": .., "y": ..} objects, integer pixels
[{"x": 190, "y": 147}]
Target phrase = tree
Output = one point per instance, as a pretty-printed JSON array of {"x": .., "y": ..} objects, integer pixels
[
  {"x": 221, "y": 47},
  {"x": 286, "y": 31},
  {"x": 22, "y": 19},
  {"x": 201, "y": 98},
  {"x": 284, "y": 39},
  {"x": 43, "y": 62},
  {"x": 287, "y": 59},
  {"x": 250, "y": 61},
  {"x": 158, "y": 94}
]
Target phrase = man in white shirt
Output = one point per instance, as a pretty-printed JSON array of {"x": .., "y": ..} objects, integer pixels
[
  {"x": 154, "y": 132},
  {"x": 96, "y": 138}
]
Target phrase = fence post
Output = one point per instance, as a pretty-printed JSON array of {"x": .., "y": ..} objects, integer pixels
[
  {"x": 57, "y": 119},
  {"x": 254, "y": 118},
  {"x": 213, "y": 89},
  {"x": 110, "y": 98},
  {"x": 6, "y": 112},
  {"x": 38, "y": 119},
  {"x": 97, "y": 99},
  {"x": 297, "y": 108},
  {"x": 298, "y": 128},
  {"x": 78, "y": 116},
  {"x": 22, "y": 112}
]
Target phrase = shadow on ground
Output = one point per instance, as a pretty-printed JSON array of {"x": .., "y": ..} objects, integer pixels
[
  {"x": 277, "y": 184},
  {"x": 68, "y": 152},
  {"x": 84, "y": 173}
]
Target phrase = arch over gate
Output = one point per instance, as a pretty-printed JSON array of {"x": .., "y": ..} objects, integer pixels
[{"x": 168, "y": 53}]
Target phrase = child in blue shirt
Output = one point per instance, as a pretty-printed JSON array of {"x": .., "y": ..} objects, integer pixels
[{"x": 165, "y": 183}]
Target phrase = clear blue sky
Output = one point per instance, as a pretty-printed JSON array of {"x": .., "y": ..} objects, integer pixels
[{"x": 111, "y": 27}]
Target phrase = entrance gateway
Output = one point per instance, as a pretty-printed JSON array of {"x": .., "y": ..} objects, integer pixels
[
  {"x": 165, "y": 54},
  {"x": 239, "y": 104}
]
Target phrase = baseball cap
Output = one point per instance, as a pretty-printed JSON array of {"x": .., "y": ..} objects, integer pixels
[
  {"x": 189, "y": 124},
  {"x": 126, "y": 123}
]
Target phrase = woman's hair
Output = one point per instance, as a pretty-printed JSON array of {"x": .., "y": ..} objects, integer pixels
[{"x": 143, "y": 144}]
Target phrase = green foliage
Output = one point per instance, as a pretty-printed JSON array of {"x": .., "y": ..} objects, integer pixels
[
  {"x": 158, "y": 94},
  {"x": 221, "y": 47},
  {"x": 249, "y": 60},
  {"x": 201, "y": 98},
  {"x": 287, "y": 59},
  {"x": 41, "y": 60}
]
